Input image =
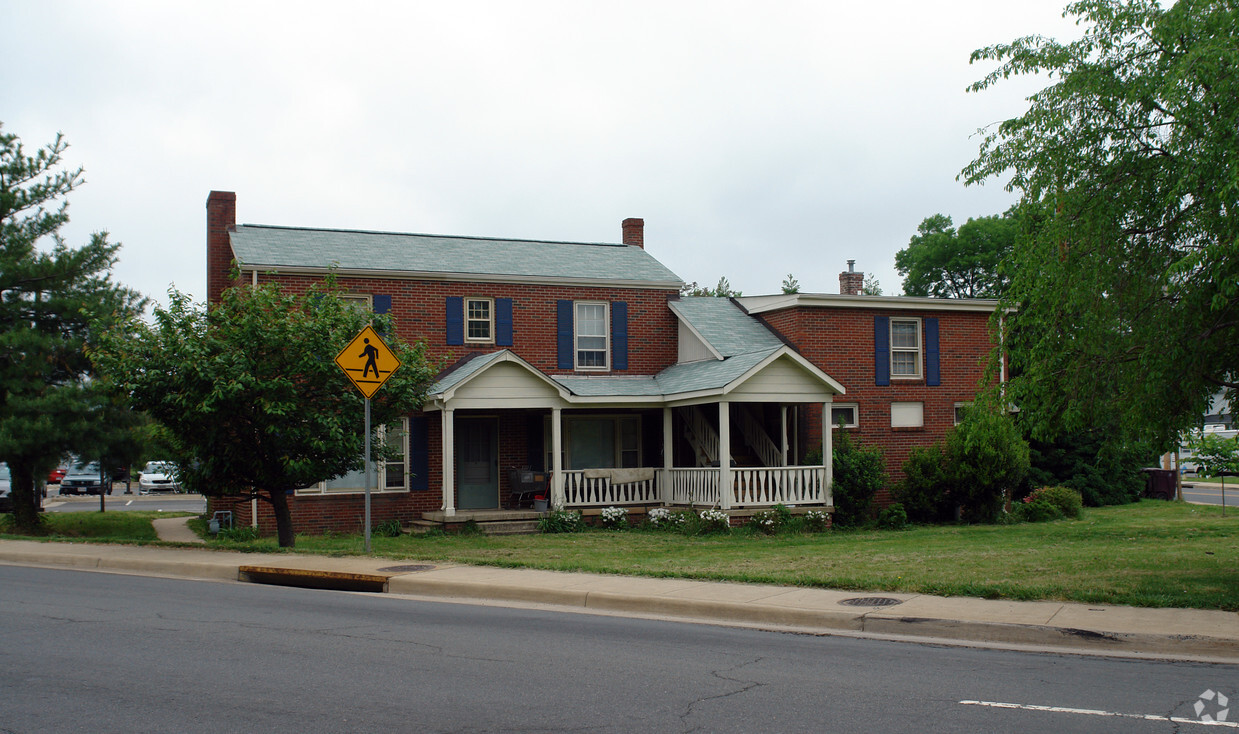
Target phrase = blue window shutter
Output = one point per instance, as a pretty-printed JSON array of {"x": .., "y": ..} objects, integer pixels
[
  {"x": 503, "y": 322},
  {"x": 455, "y": 320},
  {"x": 382, "y": 304},
  {"x": 563, "y": 333},
  {"x": 419, "y": 454},
  {"x": 933, "y": 373},
  {"x": 881, "y": 350},
  {"x": 619, "y": 335}
]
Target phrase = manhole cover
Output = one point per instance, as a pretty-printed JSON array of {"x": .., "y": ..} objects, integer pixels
[
  {"x": 407, "y": 569},
  {"x": 870, "y": 601}
]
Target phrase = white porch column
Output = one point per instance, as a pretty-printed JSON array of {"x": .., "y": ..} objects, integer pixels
[
  {"x": 724, "y": 455},
  {"x": 783, "y": 430},
  {"x": 664, "y": 487},
  {"x": 557, "y": 458},
  {"x": 828, "y": 453},
  {"x": 449, "y": 462}
]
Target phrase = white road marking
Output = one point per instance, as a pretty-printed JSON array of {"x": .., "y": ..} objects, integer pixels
[
  {"x": 1096, "y": 712},
  {"x": 130, "y": 502}
]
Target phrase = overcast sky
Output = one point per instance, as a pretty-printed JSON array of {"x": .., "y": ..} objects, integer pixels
[{"x": 756, "y": 139}]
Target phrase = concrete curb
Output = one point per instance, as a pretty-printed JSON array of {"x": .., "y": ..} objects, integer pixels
[{"x": 1182, "y": 634}]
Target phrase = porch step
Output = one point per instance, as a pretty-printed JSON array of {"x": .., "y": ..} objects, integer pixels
[{"x": 510, "y": 527}]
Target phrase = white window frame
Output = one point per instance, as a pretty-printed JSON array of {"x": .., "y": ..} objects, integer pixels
[
  {"x": 380, "y": 470},
  {"x": 957, "y": 415},
  {"x": 908, "y": 415},
  {"x": 361, "y": 299},
  {"x": 605, "y": 335},
  {"x": 489, "y": 320},
  {"x": 917, "y": 351},
  {"x": 854, "y": 407}
]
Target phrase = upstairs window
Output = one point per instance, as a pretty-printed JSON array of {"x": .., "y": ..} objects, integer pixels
[
  {"x": 479, "y": 320},
  {"x": 905, "y": 348},
  {"x": 592, "y": 336}
]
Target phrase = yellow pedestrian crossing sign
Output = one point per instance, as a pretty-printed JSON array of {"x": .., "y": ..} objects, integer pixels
[{"x": 367, "y": 361}]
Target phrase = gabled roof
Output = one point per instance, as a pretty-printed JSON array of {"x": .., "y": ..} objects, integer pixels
[
  {"x": 388, "y": 254},
  {"x": 724, "y": 326}
]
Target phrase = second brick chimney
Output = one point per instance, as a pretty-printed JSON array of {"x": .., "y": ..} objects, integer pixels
[
  {"x": 634, "y": 232},
  {"x": 221, "y": 219},
  {"x": 851, "y": 282}
]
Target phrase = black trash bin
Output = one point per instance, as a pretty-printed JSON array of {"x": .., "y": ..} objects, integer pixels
[{"x": 1160, "y": 484}]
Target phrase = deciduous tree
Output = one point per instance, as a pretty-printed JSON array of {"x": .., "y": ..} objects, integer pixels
[
  {"x": 1127, "y": 295},
  {"x": 944, "y": 262},
  {"x": 248, "y": 391}
]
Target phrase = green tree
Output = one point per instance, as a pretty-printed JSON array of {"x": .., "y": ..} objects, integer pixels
[
  {"x": 1214, "y": 454},
  {"x": 1126, "y": 295},
  {"x": 790, "y": 285},
  {"x": 54, "y": 302},
  {"x": 722, "y": 290},
  {"x": 871, "y": 287},
  {"x": 249, "y": 392},
  {"x": 944, "y": 262}
]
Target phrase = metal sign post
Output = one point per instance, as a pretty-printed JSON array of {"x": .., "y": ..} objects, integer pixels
[{"x": 368, "y": 362}]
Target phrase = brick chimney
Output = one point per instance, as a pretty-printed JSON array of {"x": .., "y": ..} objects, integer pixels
[
  {"x": 634, "y": 232},
  {"x": 221, "y": 219},
  {"x": 851, "y": 283}
]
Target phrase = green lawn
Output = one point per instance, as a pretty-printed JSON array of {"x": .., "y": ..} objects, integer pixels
[{"x": 1157, "y": 554}]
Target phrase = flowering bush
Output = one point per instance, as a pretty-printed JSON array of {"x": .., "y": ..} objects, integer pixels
[
  {"x": 714, "y": 521},
  {"x": 765, "y": 521},
  {"x": 1068, "y": 501},
  {"x": 561, "y": 521},
  {"x": 615, "y": 518},
  {"x": 817, "y": 521},
  {"x": 665, "y": 519}
]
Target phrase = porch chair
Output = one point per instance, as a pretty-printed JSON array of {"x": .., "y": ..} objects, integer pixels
[{"x": 525, "y": 485}]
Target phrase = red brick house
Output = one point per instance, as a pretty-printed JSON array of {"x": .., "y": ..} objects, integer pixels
[{"x": 581, "y": 363}]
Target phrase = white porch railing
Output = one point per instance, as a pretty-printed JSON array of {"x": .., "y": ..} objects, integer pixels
[
  {"x": 693, "y": 486},
  {"x": 786, "y": 485},
  {"x": 753, "y": 487},
  {"x": 583, "y": 491}
]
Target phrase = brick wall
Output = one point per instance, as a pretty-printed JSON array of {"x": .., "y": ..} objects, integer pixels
[{"x": 841, "y": 342}]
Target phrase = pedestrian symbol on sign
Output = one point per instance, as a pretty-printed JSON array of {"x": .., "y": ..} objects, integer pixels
[{"x": 367, "y": 361}]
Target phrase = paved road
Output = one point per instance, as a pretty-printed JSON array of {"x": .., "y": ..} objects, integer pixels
[
  {"x": 104, "y": 653},
  {"x": 1208, "y": 493}
]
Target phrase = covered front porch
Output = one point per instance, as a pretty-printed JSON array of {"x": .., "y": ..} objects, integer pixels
[{"x": 731, "y": 447}]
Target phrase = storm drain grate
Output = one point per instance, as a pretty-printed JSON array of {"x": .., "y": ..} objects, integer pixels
[
  {"x": 407, "y": 569},
  {"x": 870, "y": 601}
]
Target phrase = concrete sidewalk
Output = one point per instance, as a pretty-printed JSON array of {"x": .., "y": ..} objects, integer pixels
[{"x": 1181, "y": 634}]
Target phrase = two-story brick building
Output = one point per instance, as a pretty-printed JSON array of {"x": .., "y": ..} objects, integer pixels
[{"x": 582, "y": 363}]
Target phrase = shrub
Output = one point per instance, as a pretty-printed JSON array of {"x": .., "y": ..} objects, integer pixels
[
  {"x": 614, "y": 518},
  {"x": 893, "y": 517},
  {"x": 987, "y": 462},
  {"x": 664, "y": 519},
  {"x": 771, "y": 521},
  {"x": 924, "y": 491},
  {"x": 1067, "y": 500},
  {"x": 1037, "y": 509},
  {"x": 714, "y": 521},
  {"x": 560, "y": 521},
  {"x": 242, "y": 534},
  {"x": 858, "y": 475},
  {"x": 816, "y": 521},
  {"x": 1103, "y": 473}
]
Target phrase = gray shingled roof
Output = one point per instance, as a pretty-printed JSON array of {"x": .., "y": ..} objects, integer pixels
[
  {"x": 725, "y": 325},
  {"x": 289, "y": 247}
]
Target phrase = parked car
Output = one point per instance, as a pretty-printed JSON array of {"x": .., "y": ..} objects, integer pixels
[
  {"x": 84, "y": 480},
  {"x": 55, "y": 475},
  {"x": 158, "y": 476},
  {"x": 6, "y": 484}
]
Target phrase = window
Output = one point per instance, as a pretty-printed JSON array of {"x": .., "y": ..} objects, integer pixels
[
  {"x": 389, "y": 475},
  {"x": 960, "y": 409},
  {"x": 591, "y": 336},
  {"x": 849, "y": 413},
  {"x": 479, "y": 320},
  {"x": 906, "y": 348},
  {"x": 907, "y": 415},
  {"x": 361, "y": 303},
  {"x": 598, "y": 442}
]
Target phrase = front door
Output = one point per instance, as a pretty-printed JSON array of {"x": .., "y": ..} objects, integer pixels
[{"x": 477, "y": 463}]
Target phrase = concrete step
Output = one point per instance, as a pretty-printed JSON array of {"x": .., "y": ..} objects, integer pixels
[{"x": 509, "y": 527}]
